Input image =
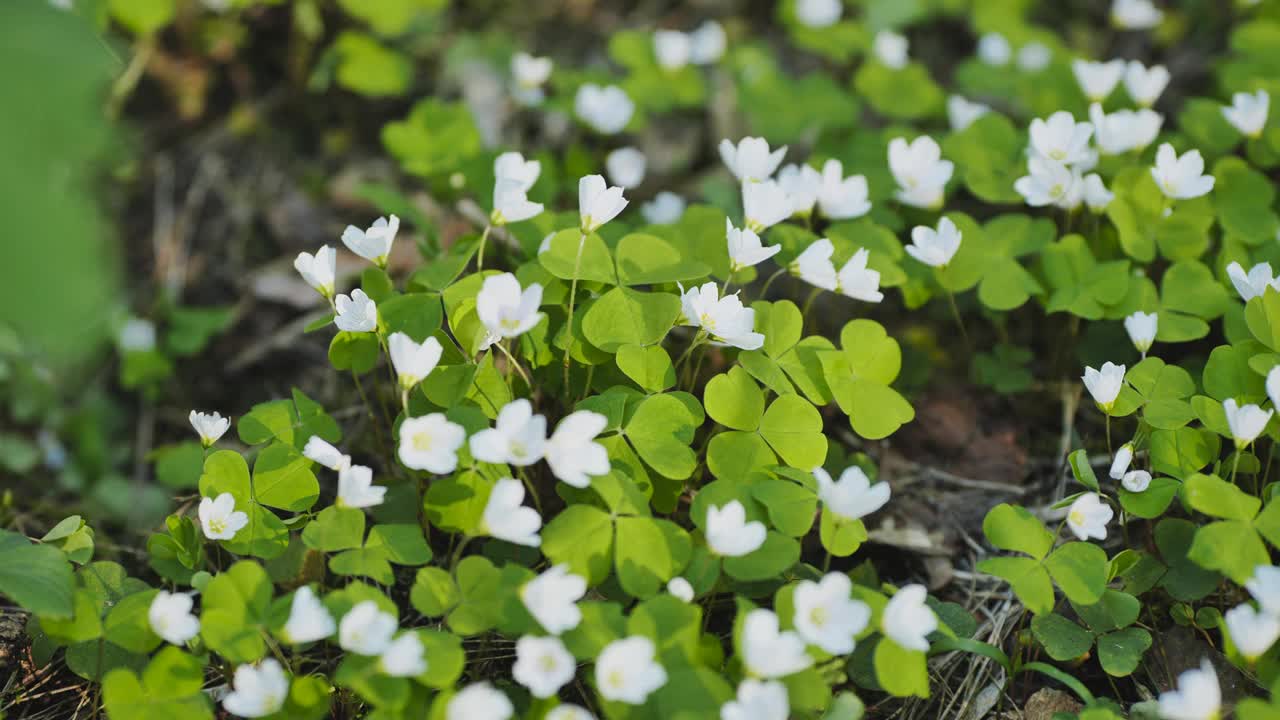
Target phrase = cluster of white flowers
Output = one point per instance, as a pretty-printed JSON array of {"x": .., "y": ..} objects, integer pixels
[
  {"x": 1254, "y": 630},
  {"x": 674, "y": 49}
]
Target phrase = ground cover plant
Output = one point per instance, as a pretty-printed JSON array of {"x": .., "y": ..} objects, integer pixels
[{"x": 811, "y": 359}]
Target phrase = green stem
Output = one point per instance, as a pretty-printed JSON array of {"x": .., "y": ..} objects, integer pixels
[
  {"x": 764, "y": 291},
  {"x": 528, "y": 485},
  {"x": 457, "y": 555},
  {"x": 573, "y": 297},
  {"x": 955, "y": 313},
  {"x": 1108, "y": 424},
  {"x": 511, "y": 358},
  {"x": 484, "y": 237}
]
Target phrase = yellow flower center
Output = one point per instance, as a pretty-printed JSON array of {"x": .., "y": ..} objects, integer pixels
[
  {"x": 1076, "y": 517},
  {"x": 422, "y": 441},
  {"x": 818, "y": 616},
  {"x": 217, "y": 526},
  {"x": 615, "y": 679},
  {"x": 548, "y": 663}
]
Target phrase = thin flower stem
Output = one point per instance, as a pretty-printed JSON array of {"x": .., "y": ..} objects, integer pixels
[
  {"x": 511, "y": 358},
  {"x": 528, "y": 485},
  {"x": 373, "y": 419},
  {"x": 484, "y": 237},
  {"x": 955, "y": 313},
  {"x": 697, "y": 340},
  {"x": 808, "y": 303},
  {"x": 764, "y": 291},
  {"x": 573, "y": 297},
  {"x": 457, "y": 555},
  {"x": 1107, "y": 415},
  {"x": 1235, "y": 464}
]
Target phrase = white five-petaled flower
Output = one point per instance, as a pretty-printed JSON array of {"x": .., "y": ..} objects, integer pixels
[
  {"x": 1246, "y": 422},
  {"x": 935, "y": 247},
  {"x": 552, "y": 598},
  {"x": 517, "y": 437},
  {"x": 1252, "y": 631},
  {"x": 356, "y": 312},
  {"x": 356, "y": 488},
  {"x": 827, "y": 615},
  {"x": 907, "y": 620},
  {"x": 857, "y": 281},
  {"x": 543, "y": 665},
  {"x": 373, "y": 243},
  {"x": 994, "y": 49},
  {"x": 1180, "y": 178},
  {"x": 728, "y": 532},
  {"x": 626, "y": 167},
  {"x": 505, "y": 310},
  {"x": 572, "y": 452},
  {"x": 171, "y": 618},
  {"x": 1034, "y": 57},
  {"x": 1145, "y": 84},
  {"x": 511, "y": 202},
  {"x": 672, "y": 49},
  {"x": 403, "y": 657},
  {"x": 840, "y": 197},
  {"x": 320, "y": 451},
  {"x": 1096, "y": 194},
  {"x": 1248, "y": 112},
  {"x": 366, "y": 630},
  {"x": 1124, "y": 130},
  {"x": 1088, "y": 517},
  {"x": 219, "y": 519},
  {"x": 513, "y": 166},
  {"x": 308, "y": 619},
  {"x": 819, "y": 14},
  {"x": 431, "y": 443},
  {"x": 209, "y": 426},
  {"x": 853, "y": 496},
  {"x": 597, "y": 202},
  {"x": 1135, "y": 14},
  {"x": 1142, "y": 329},
  {"x": 479, "y": 700},
  {"x": 745, "y": 248},
  {"x": 1198, "y": 696},
  {"x": 1104, "y": 385},
  {"x": 505, "y": 517},
  {"x": 257, "y": 690},
  {"x": 606, "y": 109},
  {"x": 1097, "y": 79},
  {"x": 680, "y": 588},
  {"x": 750, "y": 160},
  {"x": 627, "y": 670},
  {"x": 413, "y": 361},
  {"x": 758, "y": 700},
  {"x": 920, "y": 171},
  {"x": 890, "y": 49},
  {"x": 1046, "y": 183},
  {"x": 802, "y": 184},
  {"x": 664, "y": 209},
  {"x": 768, "y": 652},
  {"x": 1136, "y": 481},
  {"x": 1060, "y": 138},
  {"x": 724, "y": 319},
  {"x": 961, "y": 112},
  {"x": 1253, "y": 283},
  {"x": 530, "y": 73},
  {"x": 708, "y": 43},
  {"x": 1264, "y": 586},
  {"x": 1120, "y": 463},
  {"x": 319, "y": 270},
  {"x": 814, "y": 265}
]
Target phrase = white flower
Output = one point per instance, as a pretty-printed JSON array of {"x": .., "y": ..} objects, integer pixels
[
  {"x": 513, "y": 166},
  {"x": 1120, "y": 463},
  {"x": 750, "y": 160},
  {"x": 479, "y": 700},
  {"x": 1124, "y": 130},
  {"x": 572, "y": 452},
  {"x": 543, "y": 665},
  {"x": 366, "y": 630},
  {"x": 625, "y": 167},
  {"x": 814, "y": 265},
  {"x": 1264, "y": 586},
  {"x": 356, "y": 313},
  {"x": 907, "y": 620},
  {"x": 680, "y": 588},
  {"x": 707, "y": 43},
  {"x": 552, "y": 598},
  {"x": 1136, "y": 480},
  {"x": 1104, "y": 385},
  {"x": 597, "y": 202},
  {"x": 961, "y": 112},
  {"x": 356, "y": 488},
  {"x": 723, "y": 318},
  {"x": 209, "y": 426},
  {"x": 827, "y": 615},
  {"x": 1088, "y": 517},
  {"x": 373, "y": 243},
  {"x": 728, "y": 532},
  {"x": 1248, "y": 112},
  {"x": 403, "y": 657},
  {"x": 1097, "y": 79},
  {"x": 1145, "y": 84},
  {"x": 802, "y": 184},
  {"x": 319, "y": 270},
  {"x": 1198, "y": 696},
  {"x": 1252, "y": 284},
  {"x": 505, "y": 310},
  {"x": 768, "y": 653},
  {"x": 530, "y": 74},
  {"x": 606, "y": 109},
  {"x": 920, "y": 171},
  {"x": 664, "y": 209},
  {"x": 518, "y": 436},
  {"x": 171, "y": 618},
  {"x": 1273, "y": 386},
  {"x": 994, "y": 49},
  {"x": 568, "y": 711},
  {"x": 137, "y": 335},
  {"x": 1060, "y": 138},
  {"x": 1135, "y": 14},
  {"x": 1247, "y": 422},
  {"x": 511, "y": 202},
  {"x": 1034, "y": 57},
  {"x": 1142, "y": 329},
  {"x": 258, "y": 690},
  {"x": 219, "y": 519},
  {"x": 627, "y": 670},
  {"x": 672, "y": 48},
  {"x": 506, "y": 518},
  {"x": 840, "y": 197},
  {"x": 758, "y": 700},
  {"x": 857, "y": 281},
  {"x": 413, "y": 361},
  {"x": 1253, "y": 632},
  {"x": 431, "y": 443},
  {"x": 890, "y": 49},
  {"x": 935, "y": 248},
  {"x": 1096, "y": 195},
  {"x": 1180, "y": 178},
  {"x": 853, "y": 496},
  {"x": 745, "y": 249},
  {"x": 325, "y": 454},
  {"x": 308, "y": 619},
  {"x": 819, "y": 13}
]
